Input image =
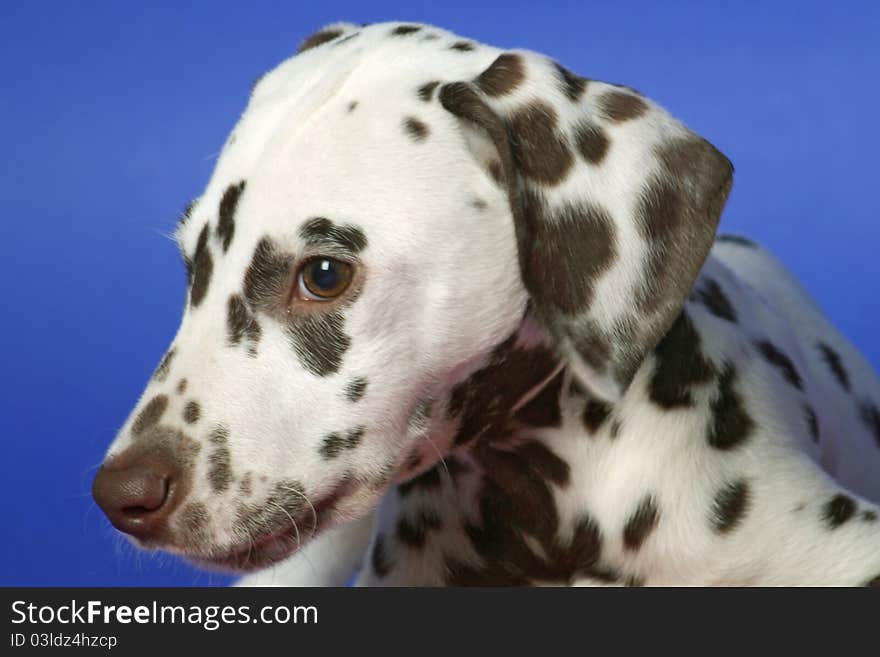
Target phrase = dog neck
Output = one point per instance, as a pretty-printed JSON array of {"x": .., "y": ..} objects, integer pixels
[
  {"x": 504, "y": 472},
  {"x": 518, "y": 385}
]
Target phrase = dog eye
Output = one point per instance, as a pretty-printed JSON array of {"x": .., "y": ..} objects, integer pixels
[{"x": 322, "y": 279}]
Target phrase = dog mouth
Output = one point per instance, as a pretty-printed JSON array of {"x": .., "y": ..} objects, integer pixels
[
  {"x": 261, "y": 552},
  {"x": 272, "y": 545}
]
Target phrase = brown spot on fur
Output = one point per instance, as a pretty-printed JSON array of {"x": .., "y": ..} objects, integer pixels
[
  {"x": 318, "y": 38},
  {"x": 780, "y": 360},
  {"x": 191, "y": 412},
  {"x": 730, "y": 506},
  {"x": 150, "y": 415},
  {"x": 462, "y": 46},
  {"x": 404, "y": 30},
  {"x": 731, "y": 424},
  {"x": 322, "y": 233},
  {"x": 245, "y": 486},
  {"x": 717, "y": 303},
  {"x": 356, "y": 389},
  {"x": 426, "y": 91},
  {"x": 162, "y": 370},
  {"x": 592, "y": 142},
  {"x": 640, "y": 524},
  {"x": 181, "y": 386},
  {"x": 503, "y": 76},
  {"x": 680, "y": 365},
  {"x": 203, "y": 268},
  {"x": 835, "y": 363},
  {"x": 838, "y": 510},
  {"x": 267, "y": 276},
  {"x": 412, "y": 531},
  {"x": 219, "y": 460},
  {"x": 617, "y": 106},
  {"x": 416, "y": 129},
  {"x": 538, "y": 149},
  {"x": 573, "y": 238},
  {"x": 572, "y": 85},
  {"x": 336, "y": 443},
  {"x": 228, "y": 205},
  {"x": 594, "y": 415},
  {"x": 320, "y": 342}
]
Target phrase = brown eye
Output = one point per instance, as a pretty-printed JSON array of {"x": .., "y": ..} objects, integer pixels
[{"x": 322, "y": 279}]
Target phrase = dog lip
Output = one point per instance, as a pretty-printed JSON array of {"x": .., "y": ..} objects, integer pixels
[
  {"x": 263, "y": 551},
  {"x": 271, "y": 547}
]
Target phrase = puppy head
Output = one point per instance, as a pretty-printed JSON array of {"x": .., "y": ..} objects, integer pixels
[{"x": 391, "y": 202}]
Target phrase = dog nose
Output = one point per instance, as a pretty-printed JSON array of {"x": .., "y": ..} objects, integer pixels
[{"x": 137, "y": 495}]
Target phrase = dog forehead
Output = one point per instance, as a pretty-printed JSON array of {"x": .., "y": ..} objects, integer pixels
[{"x": 332, "y": 122}]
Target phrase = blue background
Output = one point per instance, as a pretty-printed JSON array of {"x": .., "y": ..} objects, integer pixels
[{"x": 111, "y": 115}]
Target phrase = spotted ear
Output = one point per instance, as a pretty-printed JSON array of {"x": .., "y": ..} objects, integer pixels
[
  {"x": 615, "y": 205},
  {"x": 325, "y": 34}
]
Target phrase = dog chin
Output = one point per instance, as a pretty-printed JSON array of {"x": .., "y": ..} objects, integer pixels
[
  {"x": 260, "y": 554},
  {"x": 280, "y": 544}
]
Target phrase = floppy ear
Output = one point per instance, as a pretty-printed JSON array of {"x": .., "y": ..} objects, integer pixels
[{"x": 615, "y": 205}]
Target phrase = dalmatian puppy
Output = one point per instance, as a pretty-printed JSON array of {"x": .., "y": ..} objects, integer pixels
[{"x": 458, "y": 316}]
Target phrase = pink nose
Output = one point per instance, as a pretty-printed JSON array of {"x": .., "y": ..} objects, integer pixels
[{"x": 138, "y": 495}]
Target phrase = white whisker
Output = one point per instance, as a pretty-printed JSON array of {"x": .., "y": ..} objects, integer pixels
[
  {"x": 250, "y": 538},
  {"x": 311, "y": 506},
  {"x": 292, "y": 521},
  {"x": 439, "y": 453}
]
